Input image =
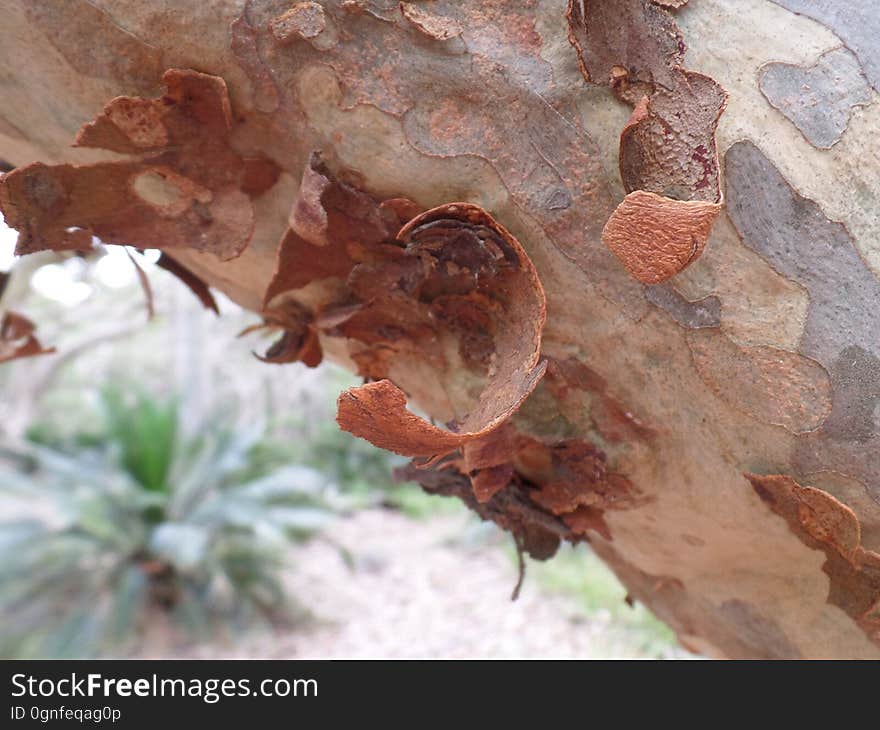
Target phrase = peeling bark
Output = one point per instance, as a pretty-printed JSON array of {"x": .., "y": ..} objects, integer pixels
[{"x": 564, "y": 151}]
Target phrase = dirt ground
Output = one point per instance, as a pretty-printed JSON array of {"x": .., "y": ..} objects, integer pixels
[{"x": 437, "y": 587}]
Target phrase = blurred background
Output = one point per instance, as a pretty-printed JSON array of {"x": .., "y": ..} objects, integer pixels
[{"x": 163, "y": 493}]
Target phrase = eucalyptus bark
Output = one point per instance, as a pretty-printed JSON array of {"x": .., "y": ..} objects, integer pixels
[{"x": 702, "y": 399}]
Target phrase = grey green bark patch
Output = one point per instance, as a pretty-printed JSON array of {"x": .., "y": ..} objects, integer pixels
[
  {"x": 817, "y": 99},
  {"x": 705, "y": 312},
  {"x": 855, "y": 22},
  {"x": 842, "y": 330}
]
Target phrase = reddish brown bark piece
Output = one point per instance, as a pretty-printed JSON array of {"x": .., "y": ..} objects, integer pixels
[
  {"x": 462, "y": 252},
  {"x": 243, "y": 44},
  {"x": 667, "y": 148},
  {"x": 823, "y": 523},
  {"x": 584, "y": 519},
  {"x": 668, "y": 145},
  {"x": 573, "y": 474},
  {"x": 144, "y": 281},
  {"x": 188, "y": 189},
  {"x": 333, "y": 226},
  {"x": 17, "y": 338},
  {"x": 629, "y": 45},
  {"x": 656, "y": 237},
  {"x": 304, "y": 20},
  {"x": 538, "y": 532},
  {"x": 438, "y": 27},
  {"x": 636, "y": 48},
  {"x": 190, "y": 280}
]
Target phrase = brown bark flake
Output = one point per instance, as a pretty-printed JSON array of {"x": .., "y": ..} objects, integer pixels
[
  {"x": 184, "y": 189},
  {"x": 668, "y": 157}
]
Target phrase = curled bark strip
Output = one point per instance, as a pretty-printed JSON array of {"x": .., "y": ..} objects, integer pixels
[
  {"x": 17, "y": 338},
  {"x": 458, "y": 250},
  {"x": 823, "y": 523},
  {"x": 668, "y": 144},
  {"x": 188, "y": 189},
  {"x": 668, "y": 158},
  {"x": 190, "y": 280},
  {"x": 656, "y": 237},
  {"x": 377, "y": 412}
]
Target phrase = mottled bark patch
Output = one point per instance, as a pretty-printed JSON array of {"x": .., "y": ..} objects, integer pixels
[
  {"x": 95, "y": 45},
  {"x": 447, "y": 93},
  {"x": 615, "y": 420},
  {"x": 735, "y": 627},
  {"x": 855, "y": 22},
  {"x": 243, "y": 43},
  {"x": 842, "y": 330},
  {"x": 304, "y": 20},
  {"x": 438, "y": 27},
  {"x": 771, "y": 385},
  {"x": 817, "y": 99},
  {"x": 705, "y": 312}
]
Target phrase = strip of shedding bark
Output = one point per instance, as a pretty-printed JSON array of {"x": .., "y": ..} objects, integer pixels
[
  {"x": 668, "y": 158},
  {"x": 185, "y": 187},
  {"x": 823, "y": 523}
]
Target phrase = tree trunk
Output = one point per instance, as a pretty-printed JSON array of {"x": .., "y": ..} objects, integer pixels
[{"x": 700, "y": 401}]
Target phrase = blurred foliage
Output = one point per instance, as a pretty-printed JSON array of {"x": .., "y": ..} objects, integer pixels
[
  {"x": 136, "y": 521},
  {"x": 364, "y": 473}
]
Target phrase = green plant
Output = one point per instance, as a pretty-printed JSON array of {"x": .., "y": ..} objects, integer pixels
[{"x": 145, "y": 523}]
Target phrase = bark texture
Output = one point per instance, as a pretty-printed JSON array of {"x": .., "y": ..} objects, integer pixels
[{"x": 627, "y": 251}]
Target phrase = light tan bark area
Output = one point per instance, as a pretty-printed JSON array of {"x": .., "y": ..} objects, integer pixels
[{"x": 702, "y": 399}]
